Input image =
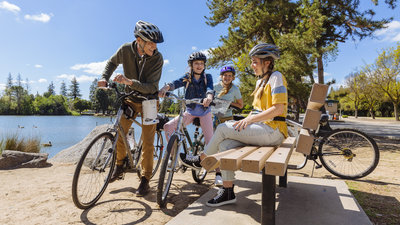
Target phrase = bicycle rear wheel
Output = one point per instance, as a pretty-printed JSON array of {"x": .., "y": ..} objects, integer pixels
[
  {"x": 93, "y": 171},
  {"x": 157, "y": 155},
  {"x": 348, "y": 153},
  {"x": 200, "y": 174},
  {"x": 167, "y": 170}
]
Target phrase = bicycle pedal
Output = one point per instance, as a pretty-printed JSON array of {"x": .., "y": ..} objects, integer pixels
[{"x": 318, "y": 167}]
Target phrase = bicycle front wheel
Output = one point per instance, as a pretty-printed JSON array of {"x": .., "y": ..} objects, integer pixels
[
  {"x": 93, "y": 171},
  {"x": 348, "y": 153},
  {"x": 199, "y": 174},
  {"x": 167, "y": 170},
  {"x": 157, "y": 155}
]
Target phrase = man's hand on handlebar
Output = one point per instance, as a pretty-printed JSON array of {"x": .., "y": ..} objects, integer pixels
[
  {"x": 122, "y": 79},
  {"x": 102, "y": 83}
]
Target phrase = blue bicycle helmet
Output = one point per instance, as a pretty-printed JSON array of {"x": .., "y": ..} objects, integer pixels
[{"x": 227, "y": 69}]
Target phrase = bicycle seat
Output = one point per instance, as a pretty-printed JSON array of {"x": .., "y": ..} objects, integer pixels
[{"x": 196, "y": 121}]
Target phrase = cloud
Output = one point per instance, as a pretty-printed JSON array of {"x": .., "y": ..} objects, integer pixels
[
  {"x": 95, "y": 68},
  {"x": 42, "y": 80},
  {"x": 80, "y": 79},
  {"x": 391, "y": 33},
  {"x": 38, "y": 66},
  {"x": 194, "y": 48},
  {"x": 166, "y": 61},
  {"x": 9, "y": 7},
  {"x": 206, "y": 52},
  {"x": 171, "y": 70},
  {"x": 42, "y": 17}
]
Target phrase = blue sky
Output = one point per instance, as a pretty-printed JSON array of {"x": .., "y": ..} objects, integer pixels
[{"x": 52, "y": 41}]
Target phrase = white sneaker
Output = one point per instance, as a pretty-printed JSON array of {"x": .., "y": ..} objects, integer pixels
[{"x": 218, "y": 181}]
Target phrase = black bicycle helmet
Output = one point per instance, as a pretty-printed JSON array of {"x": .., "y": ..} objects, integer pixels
[
  {"x": 197, "y": 56},
  {"x": 264, "y": 50},
  {"x": 148, "y": 32}
]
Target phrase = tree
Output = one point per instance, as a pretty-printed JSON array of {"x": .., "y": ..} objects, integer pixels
[
  {"x": 370, "y": 94},
  {"x": 50, "y": 90},
  {"x": 92, "y": 94},
  {"x": 81, "y": 105},
  {"x": 63, "y": 89},
  {"x": 353, "y": 82},
  {"x": 251, "y": 21},
  {"x": 74, "y": 91},
  {"x": 385, "y": 74},
  {"x": 9, "y": 84}
]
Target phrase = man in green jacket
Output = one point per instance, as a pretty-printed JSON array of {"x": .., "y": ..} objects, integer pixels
[{"x": 142, "y": 64}]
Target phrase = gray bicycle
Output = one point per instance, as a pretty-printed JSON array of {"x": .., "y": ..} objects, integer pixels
[{"x": 94, "y": 169}]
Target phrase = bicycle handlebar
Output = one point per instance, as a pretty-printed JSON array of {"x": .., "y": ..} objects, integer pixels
[
  {"x": 198, "y": 101},
  {"x": 123, "y": 95}
]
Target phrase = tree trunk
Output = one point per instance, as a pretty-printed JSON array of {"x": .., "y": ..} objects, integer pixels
[
  {"x": 372, "y": 113},
  {"x": 320, "y": 70},
  {"x": 396, "y": 111},
  {"x": 355, "y": 112}
]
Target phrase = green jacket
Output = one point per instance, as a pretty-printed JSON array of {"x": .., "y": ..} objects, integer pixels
[{"x": 144, "y": 72}]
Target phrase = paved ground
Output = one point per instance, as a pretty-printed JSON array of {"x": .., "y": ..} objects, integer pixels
[
  {"x": 373, "y": 127},
  {"x": 304, "y": 201}
]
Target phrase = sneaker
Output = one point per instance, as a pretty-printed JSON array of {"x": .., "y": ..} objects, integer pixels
[
  {"x": 118, "y": 173},
  {"x": 224, "y": 196},
  {"x": 218, "y": 180},
  {"x": 190, "y": 160},
  {"x": 143, "y": 188}
]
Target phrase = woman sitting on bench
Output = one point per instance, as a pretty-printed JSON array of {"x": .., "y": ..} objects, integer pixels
[{"x": 265, "y": 126}]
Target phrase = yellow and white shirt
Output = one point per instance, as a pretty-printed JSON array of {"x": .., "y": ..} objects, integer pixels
[{"x": 275, "y": 92}]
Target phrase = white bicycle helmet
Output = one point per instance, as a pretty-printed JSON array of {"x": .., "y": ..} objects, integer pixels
[
  {"x": 265, "y": 50},
  {"x": 148, "y": 32}
]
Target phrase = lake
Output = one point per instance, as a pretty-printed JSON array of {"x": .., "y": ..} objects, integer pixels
[{"x": 62, "y": 131}]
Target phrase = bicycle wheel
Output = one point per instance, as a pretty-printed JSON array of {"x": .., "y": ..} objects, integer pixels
[
  {"x": 167, "y": 170},
  {"x": 348, "y": 153},
  {"x": 200, "y": 174},
  {"x": 93, "y": 171},
  {"x": 157, "y": 155}
]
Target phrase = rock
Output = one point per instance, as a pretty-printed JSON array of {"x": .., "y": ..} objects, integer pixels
[
  {"x": 16, "y": 159},
  {"x": 74, "y": 153}
]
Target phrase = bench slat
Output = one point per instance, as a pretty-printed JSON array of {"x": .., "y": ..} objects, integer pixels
[
  {"x": 233, "y": 160},
  {"x": 255, "y": 161},
  {"x": 311, "y": 119},
  {"x": 213, "y": 161},
  {"x": 304, "y": 142},
  {"x": 277, "y": 163}
]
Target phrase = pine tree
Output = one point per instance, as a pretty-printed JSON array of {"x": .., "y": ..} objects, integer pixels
[
  {"x": 63, "y": 89},
  {"x": 74, "y": 91}
]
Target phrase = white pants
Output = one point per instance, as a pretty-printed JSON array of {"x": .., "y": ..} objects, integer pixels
[{"x": 226, "y": 137}]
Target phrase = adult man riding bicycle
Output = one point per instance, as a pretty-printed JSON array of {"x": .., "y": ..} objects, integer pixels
[{"x": 142, "y": 64}]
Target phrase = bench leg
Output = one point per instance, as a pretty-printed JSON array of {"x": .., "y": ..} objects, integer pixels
[
  {"x": 268, "y": 199},
  {"x": 283, "y": 180}
]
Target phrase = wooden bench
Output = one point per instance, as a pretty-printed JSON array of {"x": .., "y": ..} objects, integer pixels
[{"x": 272, "y": 161}]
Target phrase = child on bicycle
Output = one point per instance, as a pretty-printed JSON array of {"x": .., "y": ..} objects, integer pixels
[
  {"x": 265, "y": 128},
  {"x": 198, "y": 84},
  {"x": 226, "y": 90}
]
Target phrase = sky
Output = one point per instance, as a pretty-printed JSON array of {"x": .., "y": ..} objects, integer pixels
[{"x": 48, "y": 41}]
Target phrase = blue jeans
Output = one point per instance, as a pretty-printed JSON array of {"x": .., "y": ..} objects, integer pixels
[{"x": 226, "y": 137}]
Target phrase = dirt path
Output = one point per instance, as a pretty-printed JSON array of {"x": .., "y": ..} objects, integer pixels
[{"x": 43, "y": 196}]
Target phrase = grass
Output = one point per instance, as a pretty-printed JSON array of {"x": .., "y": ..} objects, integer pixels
[
  {"x": 17, "y": 143},
  {"x": 381, "y": 208}
]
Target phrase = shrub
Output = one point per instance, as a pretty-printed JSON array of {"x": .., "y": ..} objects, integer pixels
[
  {"x": 16, "y": 143},
  {"x": 345, "y": 116}
]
